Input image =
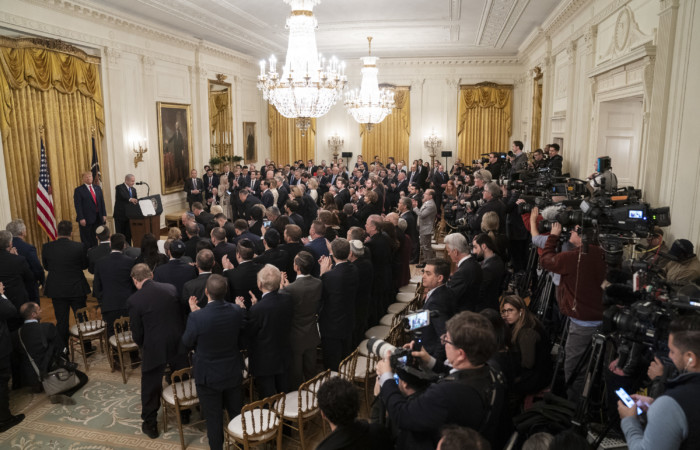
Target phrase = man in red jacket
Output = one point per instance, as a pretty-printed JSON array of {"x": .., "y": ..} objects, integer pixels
[{"x": 579, "y": 294}]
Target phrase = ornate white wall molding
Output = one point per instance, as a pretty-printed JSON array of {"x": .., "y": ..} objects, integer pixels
[{"x": 627, "y": 36}]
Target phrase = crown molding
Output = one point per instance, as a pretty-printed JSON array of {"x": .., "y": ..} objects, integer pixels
[{"x": 471, "y": 61}]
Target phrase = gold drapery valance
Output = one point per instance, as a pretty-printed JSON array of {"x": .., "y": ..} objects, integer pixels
[
  {"x": 537, "y": 111},
  {"x": 484, "y": 119},
  {"x": 286, "y": 142},
  {"x": 52, "y": 84},
  {"x": 390, "y": 137}
]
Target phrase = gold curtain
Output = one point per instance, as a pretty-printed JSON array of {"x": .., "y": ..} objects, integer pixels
[
  {"x": 390, "y": 136},
  {"x": 59, "y": 89},
  {"x": 484, "y": 119},
  {"x": 220, "y": 120},
  {"x": 286, "y": 142},
  {"x": 537, "y": 113}
]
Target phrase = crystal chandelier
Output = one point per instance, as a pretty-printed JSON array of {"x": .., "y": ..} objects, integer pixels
[
  {"x": 309, "y": 84},
  {"x": 433, "y": 143},
  {"x": 369, "y": 105}
]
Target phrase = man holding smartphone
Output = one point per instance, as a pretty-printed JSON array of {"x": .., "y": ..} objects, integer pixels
[{"x": 669, "y": 416}]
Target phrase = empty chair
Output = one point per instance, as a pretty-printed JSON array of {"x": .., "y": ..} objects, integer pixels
[
  {"x": 180, "y": 395},
  {"x": 302, "y": 406},
  {"x": 258, "y": 422},
  {"x": 122, "y": 342},
  {"x": 87, "y": 328}
]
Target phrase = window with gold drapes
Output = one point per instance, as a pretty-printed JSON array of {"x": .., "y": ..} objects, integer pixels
[
  {"x": 49, "y": 84},
  {"x": 537, "y": 113},
  {"x": 286, "y": 142},
  {"x": 484, "y": 119},
  {"x": 390, "y": 136}
]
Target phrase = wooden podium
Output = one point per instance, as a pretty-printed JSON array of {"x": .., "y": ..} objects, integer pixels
[
  {"x": 139, "y": 228},
  {"x": 140, "y": 224}
]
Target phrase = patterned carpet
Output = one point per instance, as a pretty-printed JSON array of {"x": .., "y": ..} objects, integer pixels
[{"x": 106, "y": 416}]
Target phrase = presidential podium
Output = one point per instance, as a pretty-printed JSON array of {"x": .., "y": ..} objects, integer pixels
[{"x": 144, "y": 217}]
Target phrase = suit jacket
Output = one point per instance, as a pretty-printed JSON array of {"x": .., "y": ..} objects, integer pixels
[
  {"x": 121, "y": 200},
  {"x": 189, "y": 186},
  {"x": 8, "y": 311},
  {"x": 17, "y": 278},
  {"x": 292, "y": 249},
  {"x": 157, "y": 323},
  {"x": 381, "y": 255},
  {"x": 337, "y": 316},
  {"x": 306, "y": 299},
  {"x": 243, "y": 279},
  {"x": 442, "y": 305},
  {"x": 493, "y": 271},
  {"x": 222, "y": 249},
  {"x": 248, "y": 205},
  {"x": 318, "y": 247},
  {"x": 112, "y": 285},
  {"x": 210, "y": 183},
  {"x": 175, "y": 272},
  {"x": 495, "y": 205},
  {"x": 268, "y": 199},
  {"x": 213, "y": 332},
  {"x": 42, "y": 343},
  {"x": 426, "y": 217},
  {"x": 254, "y": 238},
  {"x": 277, "y": 256},
  {"x": 465, "y": 285},
  {"x": 29, "y": 252},
  {"x": 85, "y": 207},
  {"x": 206, "y": 219},
  {"x": 296, "y": 219},
  {"x": 65, "y": 261},
  {"x": 191, "y": 247},
  {"x": 411, "y": 225},
  {"x": 268, "y": 333},
  {"x": 96, "y": 253},
  {"x": 195, "y": 287}
]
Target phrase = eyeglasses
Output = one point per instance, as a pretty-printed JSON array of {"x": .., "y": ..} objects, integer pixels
[
  {"x": 443, "y": 340},
  {"x": 505, "y": 312}
]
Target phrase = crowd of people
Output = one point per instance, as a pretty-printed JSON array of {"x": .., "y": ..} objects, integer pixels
[{"x": 273, "y": 263}]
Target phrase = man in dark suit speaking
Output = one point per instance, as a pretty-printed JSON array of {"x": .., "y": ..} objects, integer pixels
[
  {"x": 125, "y": 194},
  {"x": 157, "y": 324},
  {"x": 90, "y": 209},
  {"x": 213, "y": 333}
]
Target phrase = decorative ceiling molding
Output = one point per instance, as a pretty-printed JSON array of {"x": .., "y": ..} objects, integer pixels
[
  {"x": 508, "y": 60},
  {"x": 494, "y": 21}
]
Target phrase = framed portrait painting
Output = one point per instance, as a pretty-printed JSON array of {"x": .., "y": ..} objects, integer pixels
[
  {"x": 250, "y": 144},
  {"x": 174, "y": 145}
]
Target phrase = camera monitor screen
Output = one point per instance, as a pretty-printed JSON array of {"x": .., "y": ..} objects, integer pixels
[
  {"x": 636, "y": 214},
  {"x": 418, "y": 320}
]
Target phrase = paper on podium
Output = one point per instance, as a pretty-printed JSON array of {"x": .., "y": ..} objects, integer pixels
[{"x": 147, "y": 208}]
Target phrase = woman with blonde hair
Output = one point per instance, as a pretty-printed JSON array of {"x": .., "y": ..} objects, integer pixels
[
  {"x": 312, "y": 184},
  {"x": 529, "y": 339},
  {"x": 174, "y": 233},
  {"x": 224, "y": 196},
  {"x": 489, "y": 225}
]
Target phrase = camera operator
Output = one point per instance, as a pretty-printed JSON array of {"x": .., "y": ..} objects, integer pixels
[
  {"x": 555, "y": 161},
  {"x": 492, "y": 197},
  {"x": 471, "y": 395},
  {"x": 684, "y": 265},
  {"x": 538, "y": 160},
  {"x": 579, "y": 296},
  {"x": 669, "y": 417},
  {"x": 656, "y": 250}
]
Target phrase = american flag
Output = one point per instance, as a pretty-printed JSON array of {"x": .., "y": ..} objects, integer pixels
[
  {"x": 95, "y": 168},
  {"x": 44, "y": 200}
]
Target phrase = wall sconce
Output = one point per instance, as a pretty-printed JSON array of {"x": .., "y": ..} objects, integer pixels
[
  {"x": 335, "y": 143},
  {"x": 139, "y": 148}
]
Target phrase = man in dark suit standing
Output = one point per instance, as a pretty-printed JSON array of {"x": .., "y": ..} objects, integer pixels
[
  {"x": 221, "y": 248},
  {"x": 203, "y": 217},
  {"x": 193, "y": 237},
  {"x": 266, "y": 195},
  {"x": 247, "y": 202},
  {"x": 157, "y": 324},
  {"x": 337, "y": 304},
  {"x": 112, "y": 285},
  {"x": 28, "y": 251},
  {"x": 406, "y": 213},
  {"x": 193, "y": 187},
  {"x": 16, "y": 276},
  {"x": 493, "y": 270},
  {"x": 125, "y": 194},
  {"x": 243, "y": 279},
  {"x": 211, "y": 182},
  {"x": 7, "y": 311},
  {"x": 195, "y": 288},
  {"x": 213, "y": 333},
  {"x": 292, "y": 246},
  {"x": 176, "y": 272},
  {"x": 465, "y": 283},
  {"x": 102, "y": 249},
  {"x": 90, "y": 209},
  {"x": 440, "y": 302},
  {"x": 268, "y": 333},
  {"x": 66, "y": 285},
  {"x": 303, "y": 338}
]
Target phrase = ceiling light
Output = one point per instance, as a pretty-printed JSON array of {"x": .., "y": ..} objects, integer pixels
[
  {"x": 309, "y": 84},
  {"x": 369, "y": 105}
]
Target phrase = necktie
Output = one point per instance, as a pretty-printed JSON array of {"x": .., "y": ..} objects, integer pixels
[
  {"x": 129, "y": 191},
  {"x": 194, "y": 183},
  {"x": 94, "y": 197}
]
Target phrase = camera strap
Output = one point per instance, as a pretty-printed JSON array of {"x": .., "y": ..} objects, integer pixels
[{"x": 488, "y": 394}]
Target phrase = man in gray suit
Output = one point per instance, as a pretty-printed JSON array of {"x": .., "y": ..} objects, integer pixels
[
  {"x": 306, "y": 295},
  {"x": 426, "y": 222}
]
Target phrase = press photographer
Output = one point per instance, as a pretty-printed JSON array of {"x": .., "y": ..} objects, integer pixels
[
  {"x": 469, "y": 343},
  {"x": 670, "y": 416}
]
